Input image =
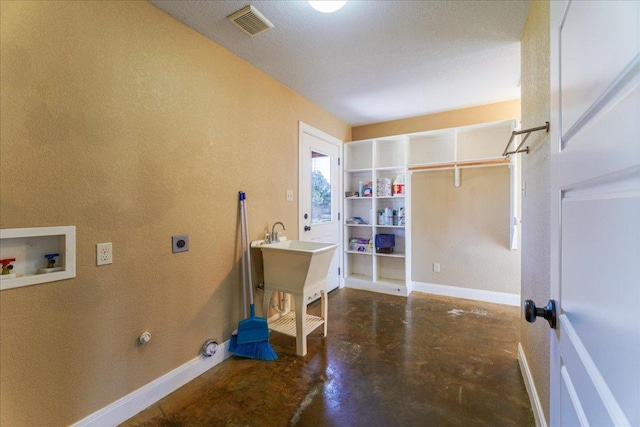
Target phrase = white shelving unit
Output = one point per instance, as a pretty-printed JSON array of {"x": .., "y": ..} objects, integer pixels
[
  {"x": 370, "y": 160},
  {"x": 367, "y": 162}
]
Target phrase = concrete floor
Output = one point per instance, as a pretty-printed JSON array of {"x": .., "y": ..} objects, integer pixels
[{"x": 387, "y": 361}]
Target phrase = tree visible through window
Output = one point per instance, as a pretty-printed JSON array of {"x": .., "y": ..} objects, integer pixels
[{"x": 321, "y": 188}]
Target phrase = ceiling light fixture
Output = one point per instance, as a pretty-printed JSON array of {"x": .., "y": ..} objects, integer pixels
[{"x": 327, "y": 6}]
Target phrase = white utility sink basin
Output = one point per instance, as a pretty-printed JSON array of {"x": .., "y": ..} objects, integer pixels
[
  {"x": 292, "y": 265},
  {"x": 299, "y": 245},
  {"x": 298, "y": 268}
]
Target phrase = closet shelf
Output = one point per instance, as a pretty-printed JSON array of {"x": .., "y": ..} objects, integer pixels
[{"x": 359, "y": 253}]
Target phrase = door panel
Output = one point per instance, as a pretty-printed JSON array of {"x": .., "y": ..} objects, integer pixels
[
  {"x": 583, "y": 153},
  {"x": 320, "y": 190},
  {"x": 600, "y": 297},
  {"x": 579, "y": 370},
  {"x": 574, "y": 415},
  {"x": 595, "y": 34},
  {"x": 595, "y": 208}
]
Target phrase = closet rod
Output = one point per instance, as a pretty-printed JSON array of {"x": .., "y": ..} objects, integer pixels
[
  {"x": 520, "y": 132},
  {"x": 460, "y": 164}
]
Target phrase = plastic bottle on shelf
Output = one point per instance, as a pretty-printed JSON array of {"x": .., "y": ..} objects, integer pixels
[{"x": 398, "y": 186}]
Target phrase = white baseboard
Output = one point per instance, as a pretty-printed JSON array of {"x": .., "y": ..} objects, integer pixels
[
  {"x": 538, "y": 413},
  {"x": 467, "y": 293},
  {"x": 131, "y": 404}
]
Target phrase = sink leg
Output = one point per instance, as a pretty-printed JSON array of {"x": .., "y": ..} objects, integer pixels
[
  {"x": 324, "y": 310},
  {"x": 301, "y": 326},
  {"x": 266, "y": 301}
]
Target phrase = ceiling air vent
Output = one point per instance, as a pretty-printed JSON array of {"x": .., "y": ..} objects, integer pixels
[{"x": 250, "y": 21}]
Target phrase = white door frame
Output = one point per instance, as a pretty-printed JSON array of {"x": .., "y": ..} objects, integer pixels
[{"x": 304, "y": 128}]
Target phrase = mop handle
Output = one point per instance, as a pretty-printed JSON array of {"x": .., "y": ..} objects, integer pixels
[
  {"x": 246, "y": 230},
  {"x": 243, "y": 264}
]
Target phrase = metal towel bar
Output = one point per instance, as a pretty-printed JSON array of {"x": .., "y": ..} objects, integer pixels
[{"x": 506, "y": 153}]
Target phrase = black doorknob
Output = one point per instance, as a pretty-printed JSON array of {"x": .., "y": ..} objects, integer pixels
[
  {"x": 531, "y": 312},
  {"x": 307, "y": 228}
]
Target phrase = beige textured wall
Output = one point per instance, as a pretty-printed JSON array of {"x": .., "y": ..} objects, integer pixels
[
  {"x": 122, "y": 121},
  {"x": 535, "y": 204},
  {"x": 465, "y": 229},
  {"x": 464, "y": 117}
]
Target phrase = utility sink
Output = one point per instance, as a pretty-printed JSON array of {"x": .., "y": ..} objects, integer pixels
[
  {"x": 293, "y": 265},
  {"x": 298, "y": 268}
]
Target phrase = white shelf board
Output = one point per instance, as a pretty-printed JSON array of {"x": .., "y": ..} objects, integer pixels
[
  {"x": 391, "y": 168},
  {"x": 391, "y": 282},
  {"x": 287, "y": 324},
  {"x": 385, "y": 286},
  {"x": 359, "y": 277},
  {"x": 393, "y": 255},
  {"x": 359, "y": 253}
]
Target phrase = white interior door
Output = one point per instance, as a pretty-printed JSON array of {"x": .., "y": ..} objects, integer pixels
[
  {"x": 320, "y": 190},
  {"x": 595, "y": 220}
]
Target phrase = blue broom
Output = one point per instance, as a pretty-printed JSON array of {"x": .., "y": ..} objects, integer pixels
[{"x": 252, "y": 338}]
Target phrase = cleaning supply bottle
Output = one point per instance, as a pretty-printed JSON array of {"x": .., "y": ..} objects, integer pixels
[{"x": 398, "y": 186}]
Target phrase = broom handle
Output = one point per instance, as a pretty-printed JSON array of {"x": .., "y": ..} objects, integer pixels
[
  {"x": 246, "y": 230},
  {"x": 243, "y": 264}
]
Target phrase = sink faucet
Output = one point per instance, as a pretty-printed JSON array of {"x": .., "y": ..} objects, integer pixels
[{"x": 274, "y": 236}]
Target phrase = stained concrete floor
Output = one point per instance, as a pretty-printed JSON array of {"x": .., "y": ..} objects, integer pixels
[{"x": 387, "y": 361}]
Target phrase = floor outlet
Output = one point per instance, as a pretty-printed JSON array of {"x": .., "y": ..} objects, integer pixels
[{"x": 104, "y": 253}]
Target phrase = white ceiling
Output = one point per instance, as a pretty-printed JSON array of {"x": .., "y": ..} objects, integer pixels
[{"x": 374, "y": 61}]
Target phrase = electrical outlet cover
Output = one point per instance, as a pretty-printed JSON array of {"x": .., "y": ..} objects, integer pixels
[
  {"x": 180, "y": 243},
  {"x": 104, "y": 253}
]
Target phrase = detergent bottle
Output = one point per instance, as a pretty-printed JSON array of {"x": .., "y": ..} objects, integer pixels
[{"x": 398, "y": 186}]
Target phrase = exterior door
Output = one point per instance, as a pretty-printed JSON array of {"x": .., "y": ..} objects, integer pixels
[
  {"x": 320, "y": 189},
  {"x": 595, "y": 220}
]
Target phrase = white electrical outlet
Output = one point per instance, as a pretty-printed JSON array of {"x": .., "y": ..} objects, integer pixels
[
  {"x": 436, "y": 267},
  {"x": 104, "y": 253},
  {"x": 289, "y": 195}
]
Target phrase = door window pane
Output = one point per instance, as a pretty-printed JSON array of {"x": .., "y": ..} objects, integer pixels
[{"x": 320, "y": 188}]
